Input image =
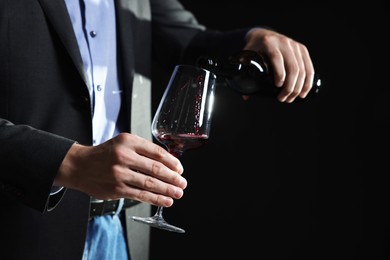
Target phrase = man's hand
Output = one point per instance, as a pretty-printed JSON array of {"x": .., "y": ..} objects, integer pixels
[
  {"x": 126, "y": 166},
  {"x": 290, "y": 61}
]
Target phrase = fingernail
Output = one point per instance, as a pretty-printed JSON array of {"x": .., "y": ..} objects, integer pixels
[
  {"x": 183, "y": 183},
  {"x": 178, "y": 193}
]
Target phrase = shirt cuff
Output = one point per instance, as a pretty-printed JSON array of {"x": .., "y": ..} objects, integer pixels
[{"x": 55, "y": 190}]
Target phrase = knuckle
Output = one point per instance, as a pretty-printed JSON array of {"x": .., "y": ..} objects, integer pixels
[
  {"x": 156, "y": 168},
  {"x": 150, "y": 183},
  {"x": 142, "y": 195},
  {"x": 160, "y": 151}
]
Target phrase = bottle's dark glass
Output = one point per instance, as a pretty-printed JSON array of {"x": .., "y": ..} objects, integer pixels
[{"x": 247, "y": 73}]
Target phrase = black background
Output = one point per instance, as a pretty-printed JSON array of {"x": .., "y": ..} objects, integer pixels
[{"x": 305, "y": 180}]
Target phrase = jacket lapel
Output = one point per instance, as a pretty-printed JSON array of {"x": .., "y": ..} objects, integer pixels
[
  {"x": 57, "y": 13},
  {"x": 125, "y": 38},
  {"x": 125, "y": 34}
]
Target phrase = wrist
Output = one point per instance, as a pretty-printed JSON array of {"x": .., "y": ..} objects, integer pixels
[{"x": 67, "y": 167}]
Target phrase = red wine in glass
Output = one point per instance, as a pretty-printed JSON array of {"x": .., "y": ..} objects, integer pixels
[
  {"x": 182, "y": 120},
  {"x": 178, "y": 143}
]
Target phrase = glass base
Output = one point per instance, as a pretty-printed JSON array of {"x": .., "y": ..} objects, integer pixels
[{"x": 158, "y": 222}]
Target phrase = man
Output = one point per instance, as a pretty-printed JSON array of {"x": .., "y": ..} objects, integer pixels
[{"x": 68, "y": 103}]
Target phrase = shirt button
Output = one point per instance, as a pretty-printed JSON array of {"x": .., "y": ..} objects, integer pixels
[
  {"x": 93, "y": 34},
  {"x": 99, "y": 88}
]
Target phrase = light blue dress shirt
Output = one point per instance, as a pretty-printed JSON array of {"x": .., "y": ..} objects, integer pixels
[{"x": 94, "y": 26}]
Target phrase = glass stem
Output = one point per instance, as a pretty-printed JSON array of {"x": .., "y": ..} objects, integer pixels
[{"x": 159, "y": 212}]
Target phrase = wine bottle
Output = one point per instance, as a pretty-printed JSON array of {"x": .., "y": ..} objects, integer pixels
[{"x": 247, "y": 73}]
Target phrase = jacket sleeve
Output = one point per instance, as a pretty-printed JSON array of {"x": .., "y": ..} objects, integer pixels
[
  {"x": 173, "y": 28},
  {"x": 29, "y": 161},
  {"x": 177, "y": 31}
]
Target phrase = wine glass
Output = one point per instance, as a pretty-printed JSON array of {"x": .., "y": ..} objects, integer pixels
[{"x": 182, "y": 120}]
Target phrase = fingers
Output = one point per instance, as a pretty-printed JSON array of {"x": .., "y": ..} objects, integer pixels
[
  {"x": 126, "y": 166},
  {"x": 295, "y": 72},
  {"x": 147, "y": 172},
  {"x": 309, "y": 68},
  {"x": 144, "y": 156},
  {"x": 152, "y": 153},
  {"x": 290, "y": 61},
  {"x": 148, "y": 189},
  {"x": 295, "y": 65}
]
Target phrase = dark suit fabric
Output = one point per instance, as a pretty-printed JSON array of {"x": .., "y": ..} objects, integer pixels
[{"x": 45, "y": 108}]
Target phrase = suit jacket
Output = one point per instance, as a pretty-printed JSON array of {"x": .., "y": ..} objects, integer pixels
[{"x": 45, "y": 107}]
